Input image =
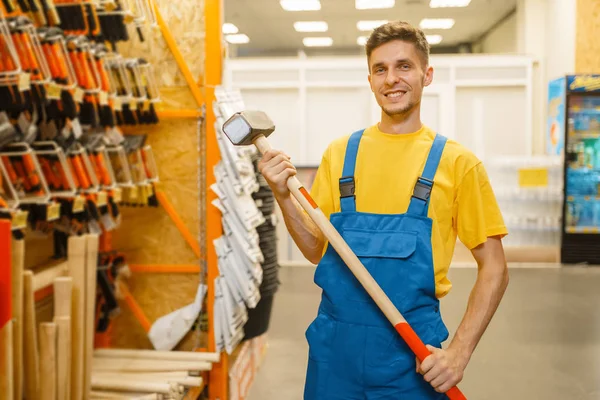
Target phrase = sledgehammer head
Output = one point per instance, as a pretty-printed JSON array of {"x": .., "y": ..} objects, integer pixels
[{"x": 245, "y": 126}]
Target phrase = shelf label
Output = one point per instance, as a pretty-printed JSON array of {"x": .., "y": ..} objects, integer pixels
[
  {"x": 53, "y": 212},
  {"x": 102, "y": 199},
  {"x": 533, "y": 177},
  {"x": 24, "y": 82},
  {"x": 53, "y": 92},
  {"x": 117, "y": 104},
  {"x": 117, "y": 195},
  {"x": 103, "y": 98},
  {"x": 78, "y": 96},
  {"x": 78, "y": 204},
  {"x": 19, "y": 219}
]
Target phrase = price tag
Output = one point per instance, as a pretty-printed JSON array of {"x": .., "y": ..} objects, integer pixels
[
  {"x": 133, "y": 106},
  {"x": 53, "y": 212},
  {"x": 533, "y": 177},
  {"x": 19, "y": 219},
  {"x": 78, "y": 204},
  {"x": 103, "y": 97},
  {"x": 53, "y": 92},
  {"x": 133, "y": 193},
  {"x": 24, "y": 82},
  {"x": 117, "y": 104},
  {"x": 102, "y": 199},
  {"x": 78, "y": 96},
  {"x": 117, "y": 195}
]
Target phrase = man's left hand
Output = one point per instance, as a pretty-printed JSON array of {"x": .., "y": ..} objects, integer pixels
[{"x": 443, "y": 369}]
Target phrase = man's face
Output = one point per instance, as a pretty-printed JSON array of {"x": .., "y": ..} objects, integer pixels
[{"x": 397, "y": 77}]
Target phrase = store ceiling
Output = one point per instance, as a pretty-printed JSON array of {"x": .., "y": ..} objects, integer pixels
[{"x": 271, "y": 29}]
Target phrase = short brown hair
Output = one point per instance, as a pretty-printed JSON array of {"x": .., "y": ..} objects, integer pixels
[{"x": 398, "y": 30}]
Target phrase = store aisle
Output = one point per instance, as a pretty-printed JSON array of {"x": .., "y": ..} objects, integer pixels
[{"x": 544, "y": 342}]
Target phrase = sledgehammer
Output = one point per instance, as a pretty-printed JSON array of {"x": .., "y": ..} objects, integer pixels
[{"x": 253, "y": 127}]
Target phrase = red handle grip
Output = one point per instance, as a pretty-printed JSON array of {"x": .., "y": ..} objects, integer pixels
[{"x": 418, "y": 347}]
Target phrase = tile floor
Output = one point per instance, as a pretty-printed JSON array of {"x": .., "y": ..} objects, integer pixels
[{"x": 543, "y": 344}]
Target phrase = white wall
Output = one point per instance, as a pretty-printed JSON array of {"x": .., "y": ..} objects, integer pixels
[
  {"x": 561, "y": 23},
  {"x": 503, "y": 39}
]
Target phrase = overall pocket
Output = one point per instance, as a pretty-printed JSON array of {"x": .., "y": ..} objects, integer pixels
[{"x": 387, "y": 257}]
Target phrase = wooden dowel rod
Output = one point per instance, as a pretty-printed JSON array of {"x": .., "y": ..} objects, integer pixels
[
  {"x": 76, "y": 261},
  {"x": 63, "y": 291},
  {"x": 157, "y": 355},
  {"x": 47, "y": 388},
  {"x": 46, "y": 277},
  {"x": 121, "y": 384},
  {"x": 125, "y": 365},
  {"x": 6, "y": 361},
  {"x": 91, "y": 267},
  {"x": 18, "y": 261},
  {"x": 30, "y": 347},
  {"x": 63, "y": 357}
]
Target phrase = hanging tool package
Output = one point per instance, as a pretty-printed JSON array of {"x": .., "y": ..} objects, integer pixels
[{"x": 64, "y": 92}]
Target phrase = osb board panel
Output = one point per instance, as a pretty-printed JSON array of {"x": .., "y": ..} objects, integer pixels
[
  {"x": 587, "y": 53},
  {"x": 157, "y": 295},
  {"x": 148, "y": 236},
  {"x": 176, "y": 98},
  {"x": 185, "y": 19}
]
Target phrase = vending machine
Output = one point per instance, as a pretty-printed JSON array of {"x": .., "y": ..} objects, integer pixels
[{"x": 574, "y": 130}]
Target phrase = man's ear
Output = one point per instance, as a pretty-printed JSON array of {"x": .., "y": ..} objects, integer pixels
[{"x": 428, "y": 78}]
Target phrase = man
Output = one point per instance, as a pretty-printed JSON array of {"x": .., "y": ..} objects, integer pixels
[{"x": 400, "y": 195}]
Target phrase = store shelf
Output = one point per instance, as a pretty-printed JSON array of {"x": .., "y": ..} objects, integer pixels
[{"x": 582, "y": 229}]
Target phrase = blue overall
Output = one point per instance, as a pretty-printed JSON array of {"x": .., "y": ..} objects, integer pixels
[{"x": 354, "y": 351}]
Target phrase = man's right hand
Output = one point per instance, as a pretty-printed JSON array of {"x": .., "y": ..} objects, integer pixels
[{"x": 276, "y": 168}]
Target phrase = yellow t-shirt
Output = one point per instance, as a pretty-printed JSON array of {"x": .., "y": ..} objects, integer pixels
[{"x": 462, "y": 201}]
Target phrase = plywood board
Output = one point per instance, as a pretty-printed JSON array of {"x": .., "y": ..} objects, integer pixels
[
  {"x": 185, "y": 19},
  {"x": 148, "y": 236}
]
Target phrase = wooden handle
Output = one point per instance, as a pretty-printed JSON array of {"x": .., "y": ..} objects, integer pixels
[
  {"x": 346, "y": 253},
  {"x": 63, "y": 357},
  {"x": 63, "y": 289},
  {"x": 157, "y": 355},
  {"x": 76, "y": 262},
  {"x": 6, "y": 361},
  {"x": 47, "y": 361},
  {"x": 91, "y": 267},
  {"x": 30, "y": 340},
  {"x": 18, "y": 261}
]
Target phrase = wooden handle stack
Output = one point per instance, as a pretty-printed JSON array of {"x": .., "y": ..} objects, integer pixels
[{"x": 159, "y": 373}]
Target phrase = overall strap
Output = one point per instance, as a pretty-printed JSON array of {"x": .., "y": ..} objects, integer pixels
[
  {"x": 419, "y": 202},
  {"x": 347, "y": 183}
]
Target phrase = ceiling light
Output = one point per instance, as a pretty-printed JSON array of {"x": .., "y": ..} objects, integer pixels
[
  {"x": 229, "y": 28},
  {"x": 317, "y": 41},
  {"x": 362, "y": 40},
  {"x": 434, "y": 39},
  {"x": 370, "y": 4},
  {"x": 449, "y": 3},
  {"x": 237, "y": 39},
  {"x": 436, "y": 23},
  {"x": 311, "y": 26},
  {"x": 300, "y": 5},
  {"x": 369, "y": 25}
]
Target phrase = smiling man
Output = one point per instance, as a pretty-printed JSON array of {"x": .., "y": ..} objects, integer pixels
[{"x": 400, "y": 195}]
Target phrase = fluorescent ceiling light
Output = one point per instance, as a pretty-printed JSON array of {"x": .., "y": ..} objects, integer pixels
[
  {"x": 434, "y": 39},
  {"x": 449, "y": 3},
  {"x": 311, "y": 26},
  {"x": 237, "y": 39},
  {"x": 369, "y": 25},
  {"x": 229, "y": 28},
  {"x": 362, "y": 40},
  {"x": 317, "y": 41},
  {"x": 436, "y": 23},
  {"x": 370, "y": 4},
  {"x": 300, "y": 5}
]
